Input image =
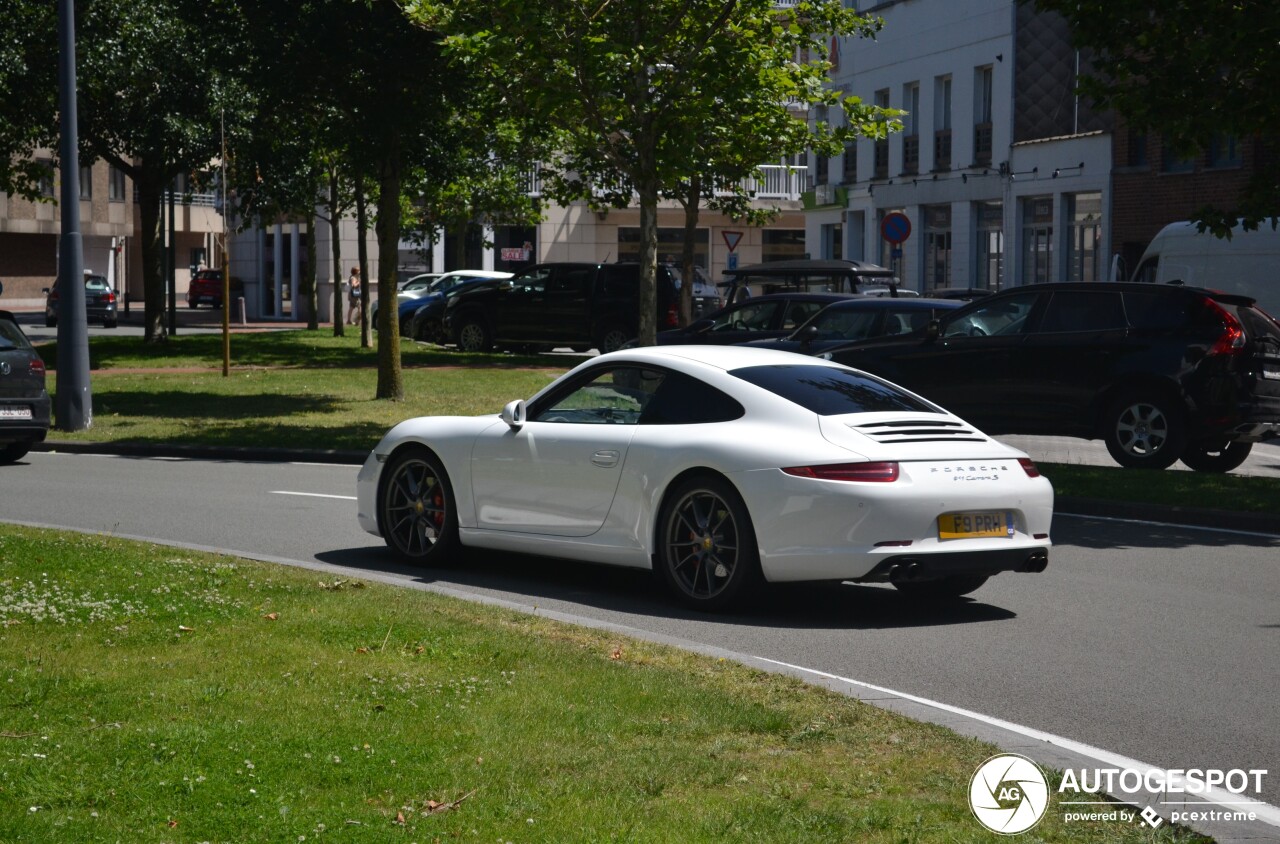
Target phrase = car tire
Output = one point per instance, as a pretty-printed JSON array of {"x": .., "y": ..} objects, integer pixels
[
  {"x": 473, "y": 336},
  {"x": 943, "y": 587},
  {"x": 612, "y": 339},
  {"x": 193, "y": 305},
  {"x": 416, "y": 512},
  {"x": 1145, "y": 430},
  {"x": 13, "y": 452},
  {"x": 110, "y": 323},
  {"x": 707, "y": 552},
  {"x": 1215, "y": 455}
]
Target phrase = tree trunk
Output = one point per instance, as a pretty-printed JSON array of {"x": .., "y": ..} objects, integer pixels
[
  {"x": 390, "y": 381},
  {"x": 335, "y": 244},
  {"x": 691, "y": 204},
  {"x": 309, "y": 278},
  {"x": 648, "y": 263},
  {"x": 362, "y": 260},
  {"x": 153, "y": 288}
]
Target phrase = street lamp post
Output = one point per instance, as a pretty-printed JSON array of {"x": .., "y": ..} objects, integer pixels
[{"x": 73, "y": 404}]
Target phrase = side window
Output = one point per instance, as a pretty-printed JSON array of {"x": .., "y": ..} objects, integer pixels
[
  {"x": 1147, "y": 272},
  {"x": 684, "y": 400},
  {"x": 798, "y": 313},
  {"x": 1005, "y": 317},
  {"x": 1079, "y": 310},
  {"x": 534, "y": 281},
  {"x": 756, "y": 316},
  {"x": 1155, "y": 311},
  {"x": 615, "y": 396},
  {"x": 570, "y": 281},
  {"x": 845, "y": 324},
  {"x": 620, "y": 282}
]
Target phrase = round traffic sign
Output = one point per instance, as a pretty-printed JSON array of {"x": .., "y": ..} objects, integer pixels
[{"x": 895, "y": 227}]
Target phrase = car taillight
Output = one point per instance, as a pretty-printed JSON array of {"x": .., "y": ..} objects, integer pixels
[
  {"x": 36, "y": 367},
  {"x": 1029, "y": 467},
  {"x": 1231, "y": 341},
  {"x": 882, "y": 472},
  {"x": 673, "y": 317},
  {"x": 111, "y": 297}
]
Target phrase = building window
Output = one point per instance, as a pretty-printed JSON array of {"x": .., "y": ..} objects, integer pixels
[
  {"x": 989, "y": 272},
  {"x": 1037, "y": 239},
  {"x": 1224, "y": 151},
  {"x": 1084, "y": 210},
  {"x": 781, "y": 245},
  {"x": 832, "y": 241},
  {"x": 46, "y": 177},
  {"x": 821, "y": 169},
  {"x": 982, "y": 115},
  {"x": 881, "y": 162},
  {"x": 670, "y": 245},
  {"x": 937, "y": 247},
  {"x": 911, "y": 129},
  {"x": 1172, "y": 162},
  {"x": 1137, "y": 154},
  {"x": 86, "y": 182},
  {"x": 942, "y": 123},
  {"x": 115, "y": 185},
  {"x": 850, "y": 164}
]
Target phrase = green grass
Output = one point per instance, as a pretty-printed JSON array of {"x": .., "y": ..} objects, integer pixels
[
  {"x": 304, "y": 389},
  {"x": 152, "y": 694}
]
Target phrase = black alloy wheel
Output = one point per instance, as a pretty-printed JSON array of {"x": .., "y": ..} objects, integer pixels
[
  {"x": 612, "y": 339},
  {"x": 473, "y": 336},
  {"x": 1145, "y": 431},
  {"x": 1215, "y": 455},
  {"x": 416, "y": 511},
  {"x": 707, "y": 547}
]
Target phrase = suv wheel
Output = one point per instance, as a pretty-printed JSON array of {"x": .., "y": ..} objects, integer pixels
[
  {"x": 611, "y": 339},
  {"x": 473, "y": 336},
  {"x": 14, "y": 452},
  {"x": 1215, "y": 455},
  {"x": 1145, "y": 431}
]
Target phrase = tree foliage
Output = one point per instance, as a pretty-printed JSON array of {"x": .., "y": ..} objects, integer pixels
[
  {"x": 1194, "y": 71},
  {"x": 639, "y": 96}
]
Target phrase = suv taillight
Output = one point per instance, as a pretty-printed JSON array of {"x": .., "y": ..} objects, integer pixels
[
  {"x": 1231, "y": 341},
  {"x": 673, "y": 317}
]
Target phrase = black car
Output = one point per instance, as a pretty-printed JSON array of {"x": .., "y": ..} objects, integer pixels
[
  {"x": 761, "y": 317},
  {"x": 426, "y": 321},
  {"x": 578, "y": 305},
  {"x": 1159, "y": 372},
  {"x": 860, "y": 318},
  {"x": 24, "y": 402},
  {"x": 99, "y": 302}
]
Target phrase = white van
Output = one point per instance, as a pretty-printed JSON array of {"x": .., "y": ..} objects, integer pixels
[{"x": 1248, "y": 263}]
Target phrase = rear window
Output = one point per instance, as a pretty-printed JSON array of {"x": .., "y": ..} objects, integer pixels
[
  {"x": 830, "y": 391},
  {"x": 11, "y": 335},
  {"x": 96, "y": 282}
]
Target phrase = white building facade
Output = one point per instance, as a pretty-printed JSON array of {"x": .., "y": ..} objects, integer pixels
[{"x": 1002, "y": 171}]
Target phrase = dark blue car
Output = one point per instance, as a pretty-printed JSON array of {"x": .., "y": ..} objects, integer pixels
[
  {"x": 860, "y": 318},
  {"x": 421, "y": 318}
]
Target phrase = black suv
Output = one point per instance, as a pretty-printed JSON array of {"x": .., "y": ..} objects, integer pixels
[
  {"x": 1160, "y": 373},
  {"x": 578, "y": 305}
]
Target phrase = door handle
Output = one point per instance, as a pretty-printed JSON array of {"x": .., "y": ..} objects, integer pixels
[{"x": 606, "y": 459}]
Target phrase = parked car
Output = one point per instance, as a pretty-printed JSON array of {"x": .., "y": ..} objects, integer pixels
[
  {"x": 807, "y": 275},
  {"x": 99, "y": 302},
  {"x": 424, "y": 286},
  {"x": 859, "y": 318},
  {"x": 206, "y": 289},
  {"x": 420, "y": 280},
  {"x": 426, "y": 321},
  {"x": 24, "y": 401},
  {"x": 706, "y": 298},
  {"x": 578, "y": 305},
  {"x": 967, "y": 294},
  {"x": 720, "y": 466},
  {"x": 1245, "y": 264},
  {"x": 1158, "y": 372},
  {"x": 762, "y": 317}
]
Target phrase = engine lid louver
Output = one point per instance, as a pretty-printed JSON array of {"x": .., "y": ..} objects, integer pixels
[{"x": 919, "y": 431}]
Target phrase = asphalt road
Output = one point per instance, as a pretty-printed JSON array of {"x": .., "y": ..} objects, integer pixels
[{"x": 1157, "y": 643}]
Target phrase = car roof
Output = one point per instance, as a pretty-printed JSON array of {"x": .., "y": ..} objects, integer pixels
[
  {"x": 913, "y": 303},
  {"x": 720, "y": 357}
]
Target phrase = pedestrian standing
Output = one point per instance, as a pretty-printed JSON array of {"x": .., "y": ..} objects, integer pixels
[{"x": 353, "y": 297}]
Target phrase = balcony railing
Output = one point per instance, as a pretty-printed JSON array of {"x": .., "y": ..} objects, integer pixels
[
  {"x": 982, "y": 143},
  {"x": 910, "y": 154},
  {"x": 942, "y": 149}
]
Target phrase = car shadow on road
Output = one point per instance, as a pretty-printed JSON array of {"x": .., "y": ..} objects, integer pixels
[
  {"x": 568, "y": 586},
  {"x": 1092, "y": 533}
]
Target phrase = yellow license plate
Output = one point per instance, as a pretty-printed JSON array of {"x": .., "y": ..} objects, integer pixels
[{"x": 975, "y": 525}]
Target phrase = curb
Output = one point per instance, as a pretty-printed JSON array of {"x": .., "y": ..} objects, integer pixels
[{"x": 1266, "y": 523}]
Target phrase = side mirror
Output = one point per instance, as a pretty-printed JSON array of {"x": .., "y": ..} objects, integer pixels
[
  {"x": 513, "y": 414},
  {"x": 807, "y": 335},
  {"x": 507, "y": 285},
  {"x": 933, "y": 330}
]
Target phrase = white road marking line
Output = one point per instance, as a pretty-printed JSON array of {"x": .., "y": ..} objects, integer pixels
[
  {"x": 1265, "y": 812},
  {"x": 311, "y": 494},
  {"x": 1169, "y": 524}
]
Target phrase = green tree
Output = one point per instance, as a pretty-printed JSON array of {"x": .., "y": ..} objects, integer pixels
[
  {"x": 640, "y": 96},
  {"x": 1193, "y": 71},
  {"x": 28, "y": 93}
]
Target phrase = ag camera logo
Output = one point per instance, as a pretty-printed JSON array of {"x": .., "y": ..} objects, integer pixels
[{"x": 1008, "y": 794}]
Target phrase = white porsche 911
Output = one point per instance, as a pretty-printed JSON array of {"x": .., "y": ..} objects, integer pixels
[{"x": 720, "y": 466}]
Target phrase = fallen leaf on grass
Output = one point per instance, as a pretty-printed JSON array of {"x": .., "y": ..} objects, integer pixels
[
  {"x": 272, "y": 616},
  {"x": 617, "y": 653},
  {"x": 172, "y": 823},
  {"x": 362, "y": 650},
  {"x": 400, "y": 818},
  {"x": 431, "y": 807},
  {"x": 182, "y": 628}
]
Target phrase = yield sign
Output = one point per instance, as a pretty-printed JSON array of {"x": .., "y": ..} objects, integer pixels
[{"x": 731, "y": 239}]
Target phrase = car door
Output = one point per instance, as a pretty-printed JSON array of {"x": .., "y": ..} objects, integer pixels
[
  {"x": 515, "y": 306},
  {"x": 557, "y": 474},
  {"x": 1067, "y": 359},
  {"x": 563, "y": 317}
]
